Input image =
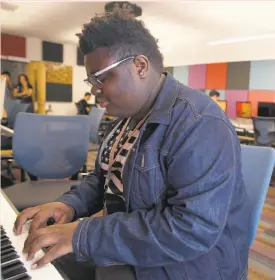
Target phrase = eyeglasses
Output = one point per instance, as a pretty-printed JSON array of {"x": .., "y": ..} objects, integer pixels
[{"x": 93, "y": 79}]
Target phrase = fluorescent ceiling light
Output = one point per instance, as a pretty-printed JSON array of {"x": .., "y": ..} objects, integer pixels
[{"x": 241, "y": 39}]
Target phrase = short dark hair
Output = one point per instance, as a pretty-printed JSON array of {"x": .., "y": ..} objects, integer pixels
[
  {"x": 214, "y": 93},
  {"x": 87, "y": 94},
  {"x": 6, "y": 73},
  {"x": 123, "y": 34}
]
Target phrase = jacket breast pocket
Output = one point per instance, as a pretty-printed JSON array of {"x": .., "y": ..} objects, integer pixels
[{"x": 148, "y": 186}]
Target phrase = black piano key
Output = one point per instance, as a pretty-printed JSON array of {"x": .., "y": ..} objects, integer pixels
[
  {"x": 3, "y": 255},
  {"x": 17, "y": 271},
  {"x": 11, "y": 265},
  {"x": 12, "y": 251},
  {"x": 22, "y": 276},
  {"x": 9, "y": 257},
  {"x": 4, "y": 237},
  {"x": 5, "y": 244},
  {"x": 13, "y": 269},
  {"x": 7, "y": 250}
]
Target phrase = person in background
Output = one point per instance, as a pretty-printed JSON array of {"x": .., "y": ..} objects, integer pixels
[
  {"x": 8, "y": 95},
  {"x": 23, "y": 90},
  {"x": 168, "y": 175},
  {"x": 83, "y": 106},
  {"x": 49, "y": 111},
  {"x": 215, "y": 95},
  {"x": 9, "y": 86}
]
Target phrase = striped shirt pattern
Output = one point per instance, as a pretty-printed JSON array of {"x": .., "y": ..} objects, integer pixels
[{"x": 114, "y": 200}]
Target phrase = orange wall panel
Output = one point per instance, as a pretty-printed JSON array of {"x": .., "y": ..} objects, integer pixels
[
  {"x": 13, "y": 45},
  {"x": 216, "y": 76},
  {"x": 256, "y": 96}
]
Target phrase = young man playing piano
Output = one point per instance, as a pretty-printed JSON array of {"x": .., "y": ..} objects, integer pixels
[{"x": 168, "y": 175}]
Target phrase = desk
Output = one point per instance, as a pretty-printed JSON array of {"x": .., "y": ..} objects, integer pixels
[
  {"x": 246, "y": 138},
  {"x": 6, "y": 153},
  {"x": 109, "y": 117}
]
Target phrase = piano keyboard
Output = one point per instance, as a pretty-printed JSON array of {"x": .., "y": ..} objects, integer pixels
[
  {"x": 11, "y": 266},
  {"x": 14, "y": 266}
]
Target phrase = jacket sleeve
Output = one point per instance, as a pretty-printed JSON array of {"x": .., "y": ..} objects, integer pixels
[
  {"x": 87, "y": 198},
  {"x": 201, "y": 178}
]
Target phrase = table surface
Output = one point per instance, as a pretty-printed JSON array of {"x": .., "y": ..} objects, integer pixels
[{"x": 247, "y": 138}]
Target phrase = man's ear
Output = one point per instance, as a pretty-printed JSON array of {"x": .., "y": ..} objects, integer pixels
[{"x": 142, "y": 64}]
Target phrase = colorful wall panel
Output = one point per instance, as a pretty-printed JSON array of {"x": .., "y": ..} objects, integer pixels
[
  {"x": 181, "y": 73},
  {"x": 238, "y": 75},
  {"x": 262, "y": 75},
  {"x": 59, "y": 79},
  {"x": 52, "y": 51},
  {"x": 216, "y": 75},
  {"x": 246, "y": 81},
  {"x": 197, "y": 76},
  {"x": 13, "y": 45}
]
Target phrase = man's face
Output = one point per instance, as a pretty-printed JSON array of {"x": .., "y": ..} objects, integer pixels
[
  {"x": 121, "y": 92},
  {"x": 88, "y": 97},
  {"x": 7, "y": 77},
  {"x": 215, "y": 98}
]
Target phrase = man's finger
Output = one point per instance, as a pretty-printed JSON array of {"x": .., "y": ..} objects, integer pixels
[
  {"x": 62, "y": 220},
  {"x": 41, "y": 242},
  {"x": 39, "y": 220},
  {"x": 55, "y": 252},
  {"x": 31, "y": 238},
  {"x": 23, "y": 217}
]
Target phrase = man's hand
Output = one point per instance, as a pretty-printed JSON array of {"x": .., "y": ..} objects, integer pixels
[
  {"x": 40, "y": 214},
  {"x": 58, "y": 237}
]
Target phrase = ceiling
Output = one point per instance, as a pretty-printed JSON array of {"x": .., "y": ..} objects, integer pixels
[{"x": 184, "y": 28}]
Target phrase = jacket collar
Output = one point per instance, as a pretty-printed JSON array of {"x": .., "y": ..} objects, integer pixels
[{"x": 161, "y": 112}]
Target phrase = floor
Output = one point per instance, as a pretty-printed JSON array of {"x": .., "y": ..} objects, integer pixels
[{"x": 262, "y": 253}]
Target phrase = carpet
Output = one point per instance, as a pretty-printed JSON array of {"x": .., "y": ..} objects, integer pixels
[{"x": 262, "y": 252}]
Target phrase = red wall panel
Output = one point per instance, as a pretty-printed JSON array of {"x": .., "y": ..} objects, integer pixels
[{"x": 13, "y": 45}]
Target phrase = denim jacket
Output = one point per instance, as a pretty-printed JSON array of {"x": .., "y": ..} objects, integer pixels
[{"x": 187, "y": 215}]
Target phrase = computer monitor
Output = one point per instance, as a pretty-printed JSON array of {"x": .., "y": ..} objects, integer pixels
[
  {"x": 222, "y": 104},
  {"x": 266, "y": 109},
  {"x": 244, "y": 110}
]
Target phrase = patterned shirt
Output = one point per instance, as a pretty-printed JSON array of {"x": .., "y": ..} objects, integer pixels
[{"x": 114, "y": 199}]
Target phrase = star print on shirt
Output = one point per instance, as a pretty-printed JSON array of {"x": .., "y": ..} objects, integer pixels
[{"x": 113, "y": 198}]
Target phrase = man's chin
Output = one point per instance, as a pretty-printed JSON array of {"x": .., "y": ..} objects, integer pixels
[{"x": 110, "y": 111}]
